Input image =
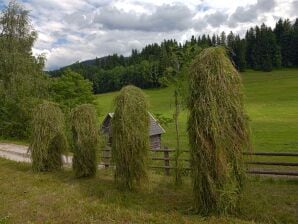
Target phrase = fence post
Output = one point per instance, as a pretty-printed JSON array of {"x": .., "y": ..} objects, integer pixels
[
  {"x": 166, "y": 160},
  {"x": 106, "y": 156}
]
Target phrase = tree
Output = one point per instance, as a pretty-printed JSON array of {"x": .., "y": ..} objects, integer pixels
[
  {"x": 85, "y": 138},
  {"x": 71, "y": 90},
  {"x": 223, "y": 38},
  {"x": 21, "y": 74},
  {"x": 218, "y": 132},
  {"x": 48, "y": 139},
  {"x": 130, "y": 143},
  {"x": 294, "y": 43}
]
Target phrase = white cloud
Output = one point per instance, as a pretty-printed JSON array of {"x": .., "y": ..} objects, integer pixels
[{"x": 72, "y": 30}]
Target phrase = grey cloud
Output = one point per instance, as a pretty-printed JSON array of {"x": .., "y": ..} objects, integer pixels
[
  {"x": 250, "y": 13},
  {"x": 199, "y": 24},
  {"x": 294, "y": 8},
  {"x": 216, "y": 19},
  {"x": 164, "y": 18}
]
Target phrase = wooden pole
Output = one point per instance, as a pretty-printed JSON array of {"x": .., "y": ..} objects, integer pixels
[{"x": 166, "y": 161}]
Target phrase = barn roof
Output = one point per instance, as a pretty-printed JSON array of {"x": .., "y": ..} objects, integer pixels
[{"x": 155, "y": 127}]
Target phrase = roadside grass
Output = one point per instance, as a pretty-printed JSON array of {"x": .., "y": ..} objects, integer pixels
[
  {"x": 14, "y": 141},
  {"x": 271, "y": 101},
  {"x": 28, "y": 197}
]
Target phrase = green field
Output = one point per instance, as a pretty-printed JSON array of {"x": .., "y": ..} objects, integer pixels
[
  {"x": 271, "y": 101},
  {"x": 272, "y": 104}
]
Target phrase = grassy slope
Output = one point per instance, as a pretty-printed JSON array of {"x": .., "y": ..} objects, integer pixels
[
  {"x": 271, "y": 101},
  {"x": 28, "y": 197}
]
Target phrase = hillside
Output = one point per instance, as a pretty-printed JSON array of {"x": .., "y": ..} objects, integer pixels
[{"x": 271, "y": 102}]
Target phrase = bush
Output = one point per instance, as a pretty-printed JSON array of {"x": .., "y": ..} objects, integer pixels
[{"x": 85, "y": 132}]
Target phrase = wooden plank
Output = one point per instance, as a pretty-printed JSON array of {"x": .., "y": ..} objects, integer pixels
[
  {"x": 274, "y": 172},
  {"x": 271, "y": 153},
  {"x": 162, "y": 150},
  {"x": 168, "y": 167},
  {"x": 273, "y": 163}
]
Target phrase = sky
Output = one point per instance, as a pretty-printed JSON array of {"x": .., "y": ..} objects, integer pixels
[{"x": 77, "y": 30}]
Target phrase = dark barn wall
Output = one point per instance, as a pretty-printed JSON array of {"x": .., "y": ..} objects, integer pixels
[{"x": 155, "y": 141}]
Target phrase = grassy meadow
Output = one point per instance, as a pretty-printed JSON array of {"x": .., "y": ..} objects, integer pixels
[
  {"x": 28, "y": 197},
  {"x": 271, "y": 101},
  {"x": 272, "y": 104}
]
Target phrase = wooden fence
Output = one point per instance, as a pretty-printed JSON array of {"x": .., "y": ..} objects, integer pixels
[{"x": 164, "y": 159}]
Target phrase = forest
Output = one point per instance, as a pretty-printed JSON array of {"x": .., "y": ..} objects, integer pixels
[{"x": 263, "y": 48}]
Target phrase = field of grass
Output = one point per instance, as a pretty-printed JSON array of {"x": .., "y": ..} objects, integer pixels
[
  {"x": 28, "y": 197},
  {"x": 271, "y": 102}
]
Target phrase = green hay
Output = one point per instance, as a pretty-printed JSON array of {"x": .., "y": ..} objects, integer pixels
[
  {"x": 130, "y": 142},
  {"x": 48, "y": 140},
  {"x": 85, "y": 139},
  {"x": 218, "y": 132}
]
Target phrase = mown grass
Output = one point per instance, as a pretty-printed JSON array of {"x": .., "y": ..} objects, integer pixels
[
  {"x": 28, "y": 197},
  {"x": 271, "y": 102}
]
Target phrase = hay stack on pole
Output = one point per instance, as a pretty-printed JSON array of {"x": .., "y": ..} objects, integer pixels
[
  {"x": 85, "y": 140},
  {"x": 130, "y": 144},
  {"x": 48, "y": 139},
  {"x": 218, "y": 132}
]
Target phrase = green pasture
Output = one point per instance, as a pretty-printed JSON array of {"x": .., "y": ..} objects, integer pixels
[{"x": 271, "y": 101}]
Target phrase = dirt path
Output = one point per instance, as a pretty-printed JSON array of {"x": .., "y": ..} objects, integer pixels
[{"x": 20, "y": 153}]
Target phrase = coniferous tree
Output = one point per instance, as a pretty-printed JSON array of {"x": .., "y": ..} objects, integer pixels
[
  {"x": 223, "y": 39},
  {"x": 294, "y": 43},
  {"x": 285, "y": 44},
  {"x": 213, "y": 40}
]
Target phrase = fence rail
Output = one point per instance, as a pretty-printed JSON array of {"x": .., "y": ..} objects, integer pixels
[{"x": 254, "y": 167}]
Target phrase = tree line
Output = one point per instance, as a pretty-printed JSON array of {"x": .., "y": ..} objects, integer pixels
[{"x": 262, "y": 48}]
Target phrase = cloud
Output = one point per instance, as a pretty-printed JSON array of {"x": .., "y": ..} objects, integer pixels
[
  {"x": 164, "y": 18},
  {"x": 76, "y": 30},
  {"x": 217, "y": 18},
  {"x": 294, "y": 8},
  {"x": 250, "y": 13}
]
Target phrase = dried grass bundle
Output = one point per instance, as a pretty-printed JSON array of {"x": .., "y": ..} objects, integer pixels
[
  {"x": 130, "y": 143},
  {"x": 85, "y": 140},
  {"x": 48, "y": 139},
  {"x": 218, "y": 131}
]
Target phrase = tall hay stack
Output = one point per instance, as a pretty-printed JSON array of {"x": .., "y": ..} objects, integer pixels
[
  {"x": 218, "y": 132},
  {"x": 130, "y": 143},
  {"x": 85, "y": 140},
  {"x": 48, "y": 139}
]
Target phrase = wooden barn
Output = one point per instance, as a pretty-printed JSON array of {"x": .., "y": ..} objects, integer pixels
[{"x": 155, "y": 130}]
